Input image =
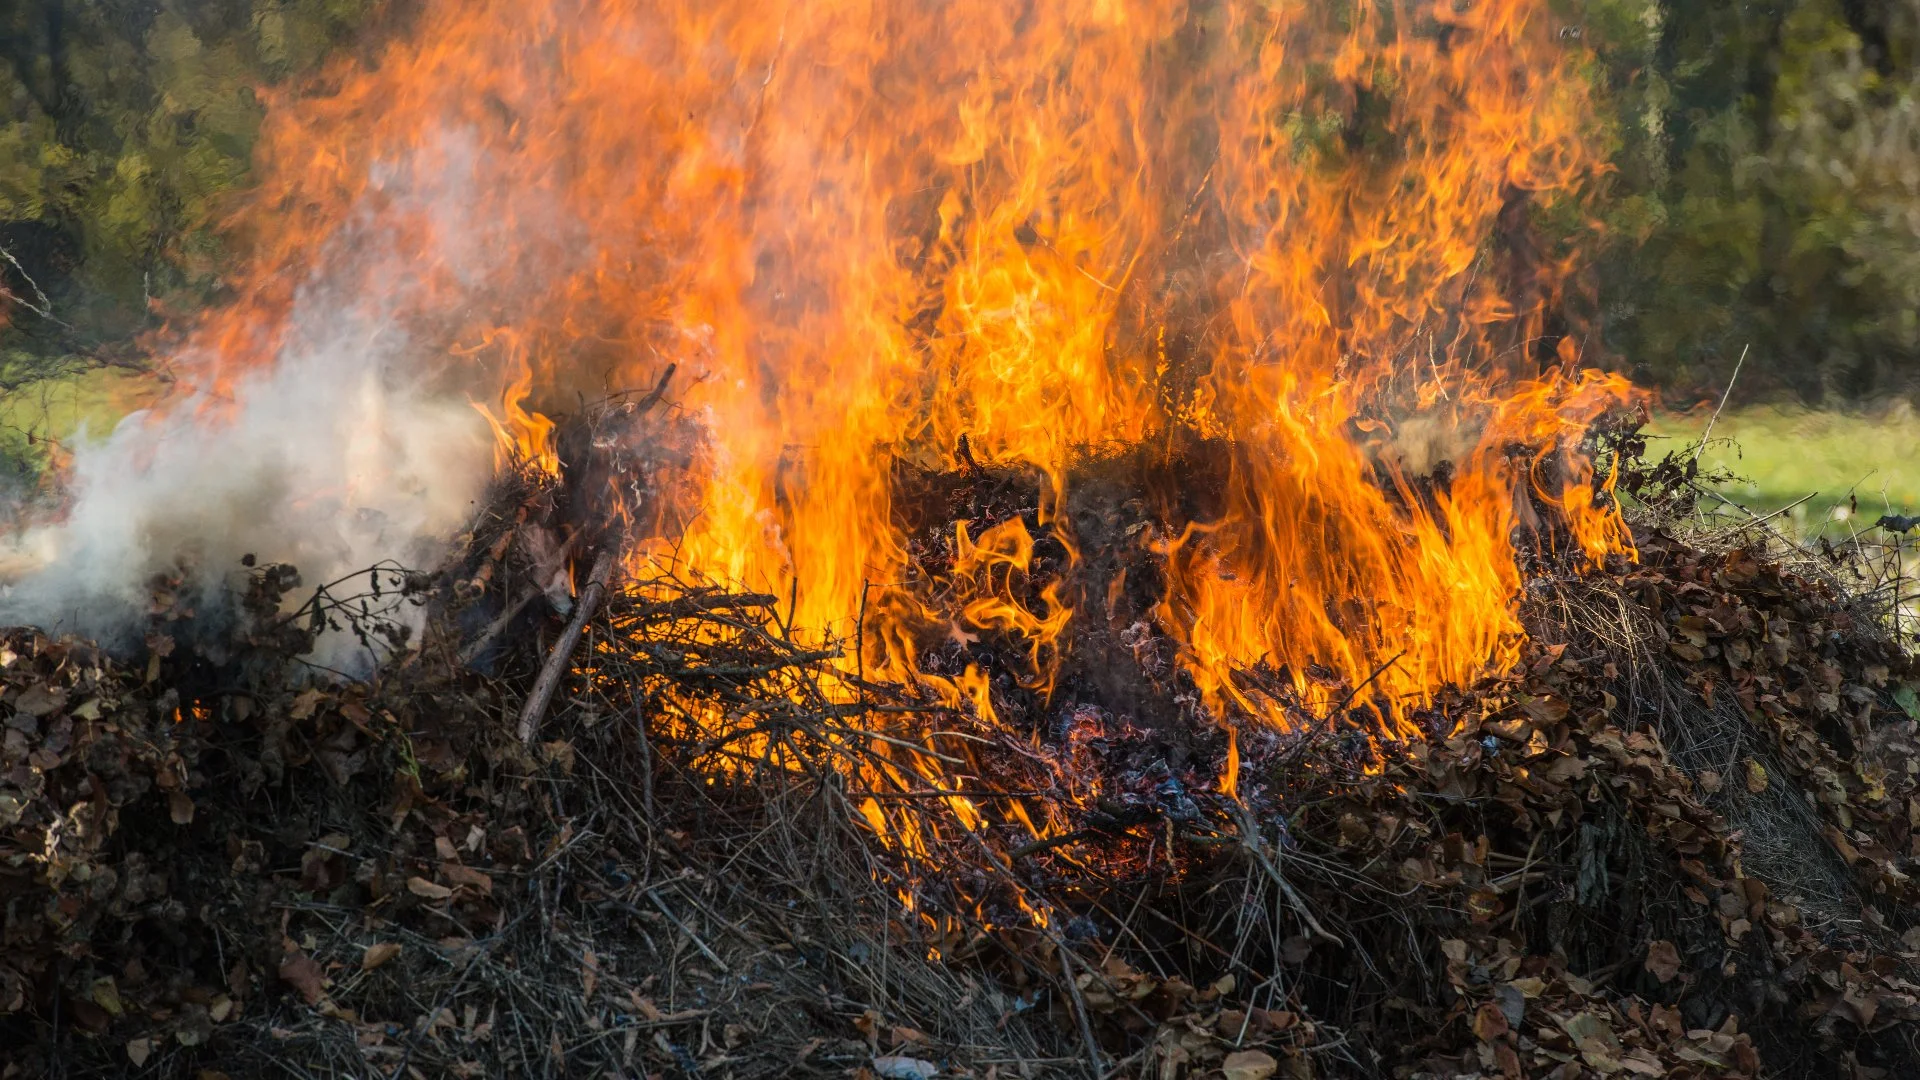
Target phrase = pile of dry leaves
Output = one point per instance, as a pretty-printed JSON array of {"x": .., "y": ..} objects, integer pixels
[{"x": 1678, "y": 841}]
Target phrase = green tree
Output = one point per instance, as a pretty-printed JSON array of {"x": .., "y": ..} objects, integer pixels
[
  {"x": 122, "y": 124},
  {"x": 1767, "y": 194}
]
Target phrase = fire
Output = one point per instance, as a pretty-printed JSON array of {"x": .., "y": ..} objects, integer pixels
[{"x": 882, "y": 233}]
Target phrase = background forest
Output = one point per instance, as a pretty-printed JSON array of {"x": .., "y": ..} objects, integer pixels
[{"x": 1766, "y": 195}]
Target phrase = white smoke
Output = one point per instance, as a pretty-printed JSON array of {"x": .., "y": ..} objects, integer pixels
[
  {"x": 352, "y": 448},
  {"x": 335, "y": 458}
]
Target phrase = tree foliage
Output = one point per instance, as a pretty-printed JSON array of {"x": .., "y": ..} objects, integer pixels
[
  {"x": 122, "y": 125},
  {"x": 1767, "y": 196}
]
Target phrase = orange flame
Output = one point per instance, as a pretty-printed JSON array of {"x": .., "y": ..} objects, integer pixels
[{"x": 868, "y": 228}]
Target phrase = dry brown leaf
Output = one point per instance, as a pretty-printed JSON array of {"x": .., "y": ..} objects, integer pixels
[
  {"x": 299, "y": 971},
  {"x": 304, "y": 705},
  {"x": 1489, "y": 1023},
  {"x": 467, "y": 876},
  {"x": 1663, "y": 960},
  {"x": 180, "y": 808},
  {"x": 139, "y": 1050},
  {"x": 1249, "y": 1065},
  {"x": 421, "y": 887},
  {"x": 1546, "y": 710},
  {"x": 378, "y": 953}
]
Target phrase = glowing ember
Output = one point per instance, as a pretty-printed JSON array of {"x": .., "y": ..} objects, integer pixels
[{"x": 892, "y": 234}]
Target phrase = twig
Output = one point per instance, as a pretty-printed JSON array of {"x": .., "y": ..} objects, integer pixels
[
  {"x": 688, "y": 930},
  {"x": 494, "y": 628},
  {"x": 1097, "y": 1066},
  {"x": 549, "y": 681},
  {"x": 1707, "y": 434},
  {"x": 45, "y": 308},
  {"x": 1250, "y": 839}
]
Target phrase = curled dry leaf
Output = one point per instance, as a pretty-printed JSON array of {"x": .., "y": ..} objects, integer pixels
[
  {"x": 299, "y": 971},
  {"x": 421, "y": 887},
  {"x": 1249, "y": 1065},
  {"x": 1663, "y": 960},
  {"x": 378, "y": 954}
]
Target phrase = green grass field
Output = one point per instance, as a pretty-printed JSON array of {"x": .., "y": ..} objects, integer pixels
[
  {"x": 1848, "y": 467},
  {"x": 57, "y": 409}
]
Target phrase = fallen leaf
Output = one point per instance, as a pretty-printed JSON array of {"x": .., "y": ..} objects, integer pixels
[
  {"x": 180, "y": 808},
  {"x": 1663, "y": 960},
  {"x": 138, "y": 1050},
  {"x": 40, "y": 701},
  {"x": 107, "y": 995},
  {"x": 303, "y": 705},
  {"x": 1756, "y": 777},
  {"x": 469, "y": 877},
  {"x": 421, "y": 887},
  {"x": 1489, "y": 1023},
  {"x": 378, "y": 953},
  {"x": 1249, "y": 1065},
  {"x": 299, "y": 971}
]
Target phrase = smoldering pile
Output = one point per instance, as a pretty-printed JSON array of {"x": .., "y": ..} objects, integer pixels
[{"x": 1676, "y": 841}]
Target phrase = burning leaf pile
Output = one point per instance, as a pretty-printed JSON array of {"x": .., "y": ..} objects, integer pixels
[
  {"x": 1114, "y": 567},
  {"x": 1676, "y": 840}
]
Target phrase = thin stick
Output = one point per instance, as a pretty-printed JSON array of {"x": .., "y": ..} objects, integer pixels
[
  {"x": 688, "y": 930},
  {"x": 1704, "y": 436},
  {"x": 1097, "y": 1064},
  {"x": 549, "y": 681},
  {"x": 1250, "y": 840},
  {"x": 494, "y": 628}
]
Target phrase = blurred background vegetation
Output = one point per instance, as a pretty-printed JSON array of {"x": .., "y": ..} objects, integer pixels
[
  {"x": 1767, "y": 195},
  {"x": 1765, "y": 198},
  {"x": 122, "y": 125}
]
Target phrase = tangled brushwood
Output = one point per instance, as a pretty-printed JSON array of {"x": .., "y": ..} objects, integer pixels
[{"x": 1676, "y": 841}]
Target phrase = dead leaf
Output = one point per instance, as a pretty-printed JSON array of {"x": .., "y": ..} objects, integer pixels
[
  {"x": 299, "y": 971},
  {"x": 1249, "y": 1065},
  {"x": 139, "y": 1050},
  {"x": 1546, "y": 710},
  {"x": 40, "y": 701},
  {"x": 1489, "y": 1023},
  {"x": 1663, "y": 960},
  {"x": 378, "y": 953},
  {"x": 303, "y": 706},
  {"x": 1756, "y": 777},
  {"x": 180, "y": 808},
  {"x": 467, "y": 876},
  {"x": 106, "y": 995},
  {"x": 421, "y": 887}
]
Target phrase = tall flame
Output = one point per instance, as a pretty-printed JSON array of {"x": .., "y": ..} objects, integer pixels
[{"x": 872, "y": 228}]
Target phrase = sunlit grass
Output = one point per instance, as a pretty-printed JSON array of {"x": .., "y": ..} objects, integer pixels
[
  {"x": 1839, "y": 471},
  {"x": 62, "y": 409}
]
